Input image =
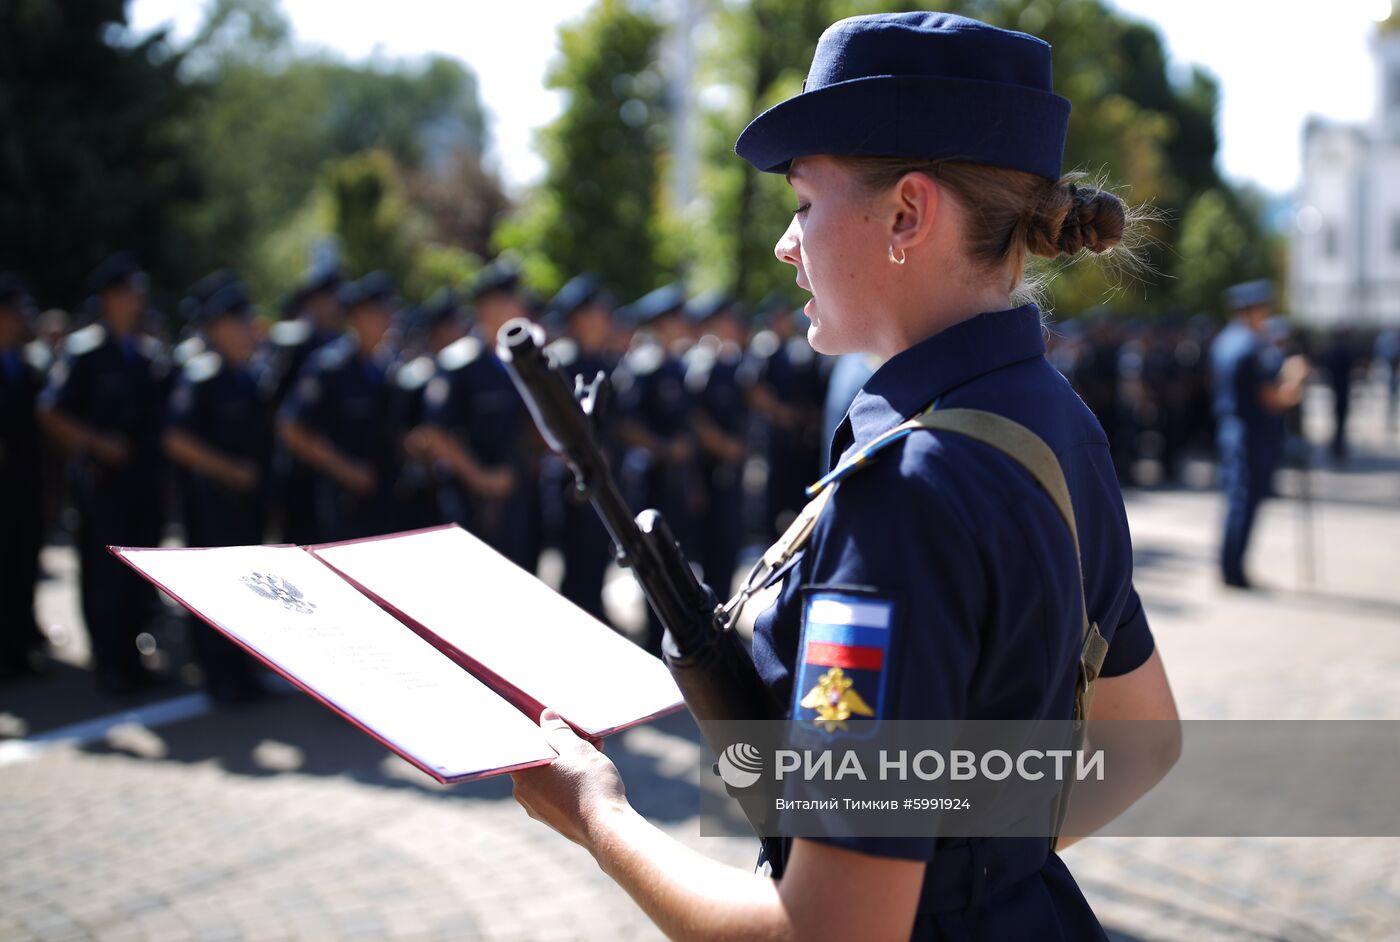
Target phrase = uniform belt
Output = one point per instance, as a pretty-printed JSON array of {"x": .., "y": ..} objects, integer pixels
[{"x": 967, "y": 875}]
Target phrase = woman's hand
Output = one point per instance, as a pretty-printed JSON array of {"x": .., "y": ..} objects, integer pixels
[{"x": 576, "y": 792}]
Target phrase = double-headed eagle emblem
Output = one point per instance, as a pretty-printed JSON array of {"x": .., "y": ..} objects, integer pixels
[
  {"x": 278, "y": 589},
  {"x": 835, "y": 701}
]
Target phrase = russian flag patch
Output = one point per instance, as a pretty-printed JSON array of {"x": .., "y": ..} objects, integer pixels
[{"x": 842, "y": 660}]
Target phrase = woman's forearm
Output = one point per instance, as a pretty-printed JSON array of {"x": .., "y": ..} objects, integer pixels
[{"x": 688, "y": 895}]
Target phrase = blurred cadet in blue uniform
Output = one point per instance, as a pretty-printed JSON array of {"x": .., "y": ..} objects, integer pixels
[
  {"x": 1252, "y": 391},
  {"x": 653, "y": 412},
  {"x": 337, "y": 418},
  {"x": 313, "y": 317},
  {"x": 105, "y": 404},
  {"x": 220, "y": 433},
  {"x": 485, "y": 440},
  {"x": 718, "y": 387},
  {"x": 848, "y": 374},
  {"x": 1388, "y": 357},
  {"x": 787, "y": 391},
  {"x": 940, "y": 581},
  {"x": 429, "y": 329},
  {"x": 1340, "y": 359},
  {"x": 21, "y": 480},
  {"x": 582, "y": 313}
]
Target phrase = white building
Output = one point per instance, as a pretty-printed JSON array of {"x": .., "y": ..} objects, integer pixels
[{"x": 1345, "y": 265}]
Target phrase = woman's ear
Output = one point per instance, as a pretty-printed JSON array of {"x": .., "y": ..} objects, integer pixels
[{"x": 916, "y": 200}]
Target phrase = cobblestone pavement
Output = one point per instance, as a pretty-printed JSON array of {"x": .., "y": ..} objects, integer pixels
[{"x": 279, "y": 821}]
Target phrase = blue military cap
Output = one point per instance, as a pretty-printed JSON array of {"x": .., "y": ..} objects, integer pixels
[
  {"x": 930, "y": 85},
  {"x": 376, "y": 286},
  {"x": 578, "y": 292},
  {"x": 500, "y": 276},
  {"x": 705, "y": 306},
  {"x": 228, "y": 300},
  {"x": 443, "y": 306},
  {"x": 121, "y": 268},
  {"x": 669, "y": 299},
  {"x": 191, "y": 306},
  {"x": 1249, "y": 294}
]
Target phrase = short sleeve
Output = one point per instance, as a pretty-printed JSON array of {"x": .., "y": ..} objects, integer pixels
[
  {"x": 67, "y": 387},
  {"x": 1131, "y": 643},
  {"x": 184, "y": 405},
  {"x": 892, "y": 606},
  {"x": 305, "y": 403}
]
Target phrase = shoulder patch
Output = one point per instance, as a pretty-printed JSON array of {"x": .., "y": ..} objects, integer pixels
[
  {"x": 563, "y": 351},
  {"x": 415, "y": 373},
  {"x": 333, "y": 355},
  {"x": 203, "y": 367},
  {"x": 645, "y": 359},
  {"x": 151, "y": 348},
  {"x": 799, "y": 351},
  {"x": 460, "y": 352},
  {"x": 289, "y": 333},
  {"x": 86, "y": 340},
  {"x": 699, "y": 364},
  {"x": 764, "y": 344},
  {"x": 843, "y": 661},
  {"x": 38, "y": 355},
  {"x": 187, "y": 349}
]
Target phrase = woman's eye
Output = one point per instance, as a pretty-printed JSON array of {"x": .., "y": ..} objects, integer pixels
[{"x": 802, "y": 209}]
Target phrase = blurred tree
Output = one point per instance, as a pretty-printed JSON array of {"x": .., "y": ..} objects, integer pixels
[
  {"x": 1148, "y": 134},
  {"x": 1222, "y": 243},
  {"x": 597, "y": 209},
  {"x": 273, "y": 117},
  {"x": 369, "y": 215},
  {"x": 758, "y": 55},
  {"x": 91, "y": 153}
]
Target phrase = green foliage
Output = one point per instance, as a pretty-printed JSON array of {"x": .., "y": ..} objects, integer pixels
[
  {"x": 436, "y": 266},
  {"x": 598, "y": 208},
  {"x": 1148, "y": 137},
  {"x": 368, "y": 213},
  {"x": 1221, "y": 244},
  {"x": 90, "y": 154}
]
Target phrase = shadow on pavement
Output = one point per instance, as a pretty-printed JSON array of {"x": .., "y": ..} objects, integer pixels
[{"x": 289, "y": 734}]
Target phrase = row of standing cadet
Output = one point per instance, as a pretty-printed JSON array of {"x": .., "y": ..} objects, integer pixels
[
  {"x": 1153, "y": 385},
  {"x": 354, "y": 416}
]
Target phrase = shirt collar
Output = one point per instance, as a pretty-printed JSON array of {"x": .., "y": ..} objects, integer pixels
[{"x": 913, "y": 379}]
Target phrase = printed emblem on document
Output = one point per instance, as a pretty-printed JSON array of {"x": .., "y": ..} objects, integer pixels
[{"x": 279, "y": 590}]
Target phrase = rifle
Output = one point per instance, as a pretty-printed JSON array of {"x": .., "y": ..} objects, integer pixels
[{"x": 704, "y": 653}]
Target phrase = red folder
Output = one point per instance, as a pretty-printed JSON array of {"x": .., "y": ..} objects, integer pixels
[{"x": 428, "y": 641}]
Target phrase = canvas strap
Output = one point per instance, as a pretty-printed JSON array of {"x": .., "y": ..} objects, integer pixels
[{"x": 1021, "y": 445}]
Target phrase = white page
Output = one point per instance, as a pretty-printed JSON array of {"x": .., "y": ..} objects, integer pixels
[
  {"x": 309, "y": 622},
  {"x": 478, "y": 601}
]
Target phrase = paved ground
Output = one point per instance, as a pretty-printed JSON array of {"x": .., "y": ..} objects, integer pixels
[{"x": 278, "y": 821}]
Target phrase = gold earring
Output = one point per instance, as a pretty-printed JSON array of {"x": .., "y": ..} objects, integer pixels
[{"x": 902, "y": 257}]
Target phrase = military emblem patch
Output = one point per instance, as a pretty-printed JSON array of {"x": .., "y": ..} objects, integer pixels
[{"x": 842, "y": 660}]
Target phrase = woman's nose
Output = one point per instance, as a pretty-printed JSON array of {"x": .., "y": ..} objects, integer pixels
[{"x": 786, "y": 249}]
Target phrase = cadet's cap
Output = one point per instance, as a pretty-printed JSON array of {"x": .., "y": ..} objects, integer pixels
[
  {"x": 577, "y": 293},
  {"x": 499, "y": 277},
  {"x": 929, "y": 85},
  {"x": 325, "y": 278},
  {"x": 228, "y": 300},
  {"x": 191, "y": 306},
  {"x": 442, "y": 307},
  {"x": 669, "y": 299},
  {"x": 1249, "y": 294},
  {"x": 377, "y": 286},
  {"x": 705, "y": 306},
  {"x": 117, "y": 270}
]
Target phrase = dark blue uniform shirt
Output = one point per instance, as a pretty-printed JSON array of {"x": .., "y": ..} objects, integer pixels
[
  {"x": 473, "y": 396},
  {"x": 221, "y": 406},
  {"x": 1249, "y": 436},
  {"x": 972, "y": 575}
]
